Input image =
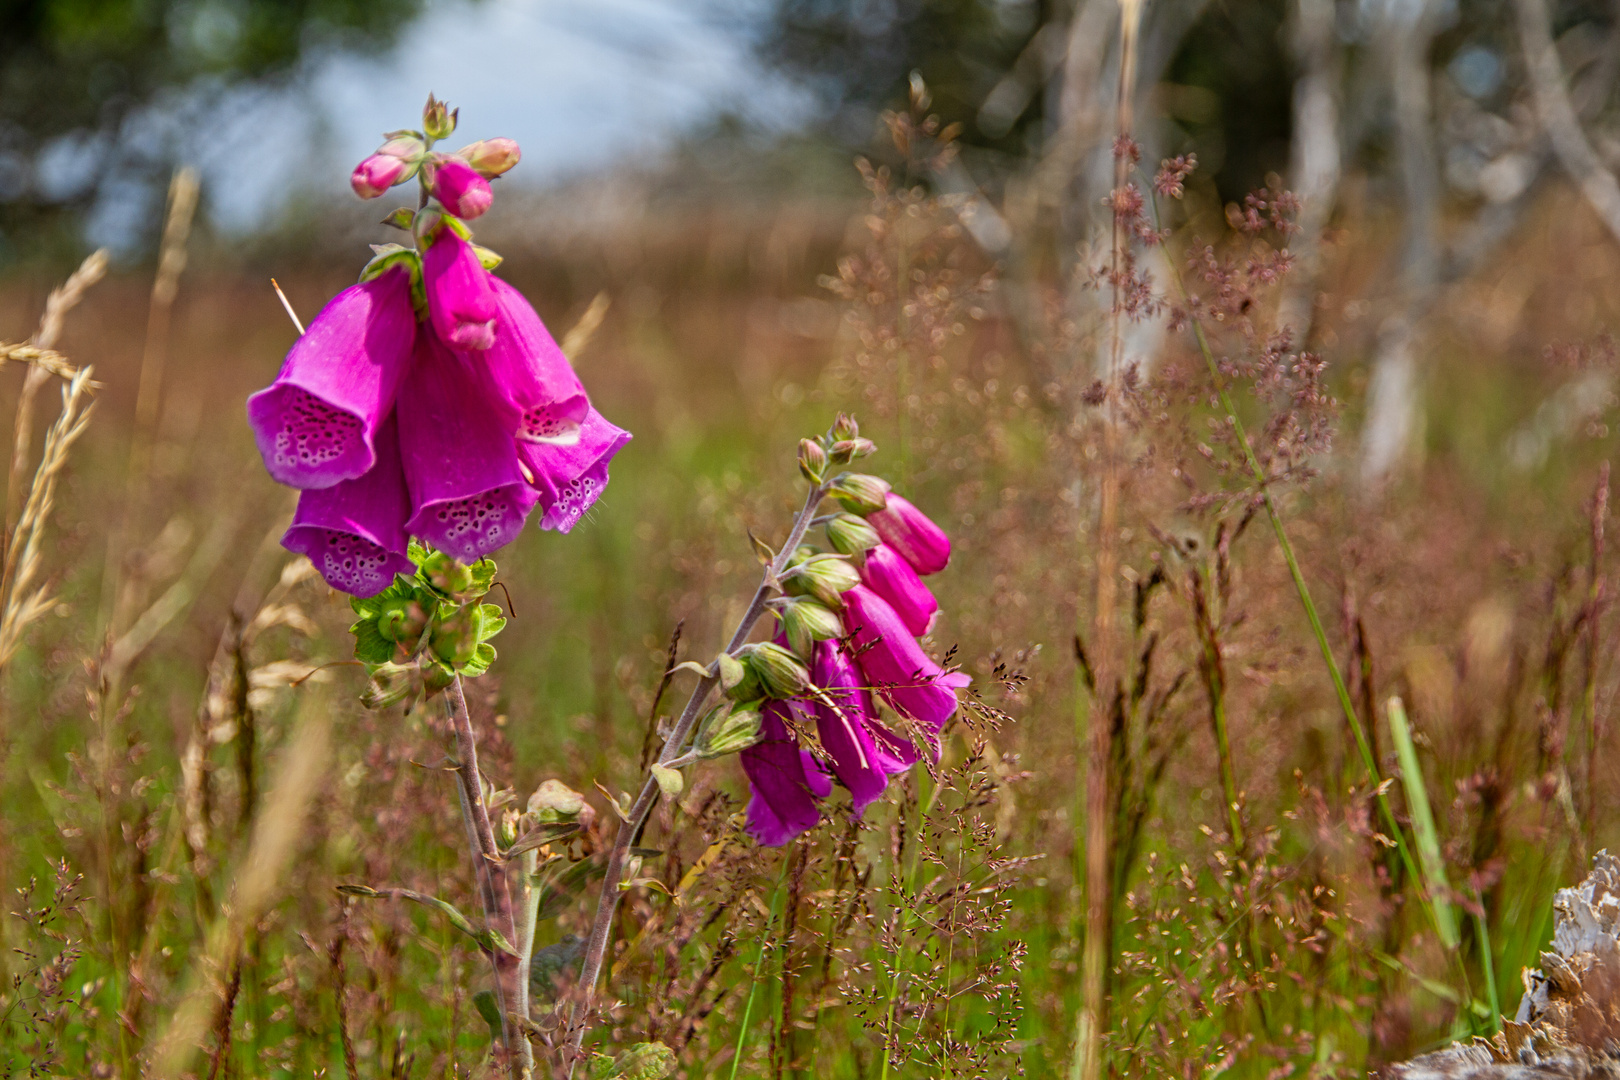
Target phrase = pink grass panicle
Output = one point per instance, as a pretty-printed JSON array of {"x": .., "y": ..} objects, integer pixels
[{"x": 429, "y": 400}]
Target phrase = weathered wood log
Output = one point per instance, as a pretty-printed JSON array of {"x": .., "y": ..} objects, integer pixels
[{"x": 1568, "y": 1023}]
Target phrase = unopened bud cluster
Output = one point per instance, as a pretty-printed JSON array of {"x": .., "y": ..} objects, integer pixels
[{"x": 422, "y": 631}]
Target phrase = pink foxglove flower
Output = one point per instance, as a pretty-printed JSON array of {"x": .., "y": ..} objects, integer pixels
[
  {"x": 460, "y": 292},
  {"x": 354, "y": 531},
  {"x": 530, "y": 377},
  {"x": 458, "y": 186},
  {"x": 892, "y": 578},
  {"x": 317, "y": 423},
  {"x": 891, "y": 660},
  {"x": 908, "y": 530},
  {"x": 468, "y": 492},
  {"x": 569, "y": 479},
  {"x": 786, "y": 780},
  {"x": 864, "y": 753}
]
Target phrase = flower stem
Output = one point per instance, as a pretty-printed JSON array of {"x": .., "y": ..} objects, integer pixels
[
  {"x": 607, "y": 902},
  {"x": 511, "y": 976}
]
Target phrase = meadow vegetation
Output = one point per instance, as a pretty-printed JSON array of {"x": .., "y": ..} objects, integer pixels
[{"x": 187, "y": 771}]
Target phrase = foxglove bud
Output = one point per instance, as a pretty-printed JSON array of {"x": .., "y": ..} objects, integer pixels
[
  {"x": 737, "y": 729},
  {"x": 909, "y": 531},
  {"x": 438, "y": 120},
  {"x": 849, "y": 534},
  {"x": 457, "y": 186},
  {"x": 779, "y": 671},
  {"x": 447, "y": 574},
  {"x": 824, "y": 577},
  {"x": 844, "y": 427},
  {"x": 402, "y": 620},
  {"x": 812, "y": 460},
  {"x": 491, "y": 157},
  {"x": 860, "y": 493},
  {"x": 739, "y": 679},
  {"x": 844, "y": 451},
  {"x": 805, "y": 622},
  {"x": 379, "y": 172},
  {"x": 455, "y": 640},
  {"x": 555, "y": 801}
]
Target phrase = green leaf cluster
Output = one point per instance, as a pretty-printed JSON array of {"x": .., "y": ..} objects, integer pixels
[{"x": 423, "y": 630}]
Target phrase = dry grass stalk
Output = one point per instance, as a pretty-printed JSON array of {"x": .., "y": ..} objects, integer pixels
[
  {"x": 21, "y": 604},
  {"x": 277, "y": 831},
  {"x": 27, "y": 513}
]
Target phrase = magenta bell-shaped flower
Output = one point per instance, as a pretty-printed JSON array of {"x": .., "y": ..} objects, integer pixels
[
  {"x": 458, "y": 186},
  {"x": 317, "y": 423},
  {"x": 569, "y": 479},
  {"x": 892, "y": 578},
  {"x": 786, "y": 779},
  {"x": 354, "y": 531},
  {"x": 891, "y": 660},
  {"x": 908, "y": 530},
  {"x": 864, "y": 753},
  {"x": 468, "y": 492},
  {"x": 529, "y": 376},
  {"x": 460, "y": 292}
]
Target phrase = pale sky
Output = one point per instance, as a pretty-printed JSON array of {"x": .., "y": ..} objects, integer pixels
[{"x": 578, "y": 83}]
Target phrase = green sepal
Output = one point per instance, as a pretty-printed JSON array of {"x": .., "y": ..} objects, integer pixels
[
  {"x": 388, "y": 256},
  {"x": 488, "y": 258},
  {"x": 370, "y": 647},
  {"x": 483, "y": 656}
]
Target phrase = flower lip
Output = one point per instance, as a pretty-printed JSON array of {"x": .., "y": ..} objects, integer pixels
[
  {"x": 468, "y": 492},
  {"x": 354, "y": 531},
  {"x": 785, "y": 778},
  {"x": 569, "y": 479},
  {"x": 316, "y": 424}
]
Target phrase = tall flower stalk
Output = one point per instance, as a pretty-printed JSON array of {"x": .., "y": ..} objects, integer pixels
[
  {"x": 802, "y": 708},
  {"x": 425, "y": 414}
]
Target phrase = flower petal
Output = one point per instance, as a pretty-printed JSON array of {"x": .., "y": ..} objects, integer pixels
[
  {"x": 468, "y": 493},
  {"x": 317, "y": 423},
  {"x": 354, "y": 531},
  {"x": 569, "y": 479}
]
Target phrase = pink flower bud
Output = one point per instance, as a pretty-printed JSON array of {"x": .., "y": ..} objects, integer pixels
[
  {"x": 908, "y": 530},
  {"x": 491, "y": 157},
  {"x": 375, "y": 175},
  {"x": 458, "y": 187},
  {"x": 394, "y": 163}
]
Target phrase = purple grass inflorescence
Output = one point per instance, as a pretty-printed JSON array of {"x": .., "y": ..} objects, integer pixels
[{"x": 428, "y": 400}]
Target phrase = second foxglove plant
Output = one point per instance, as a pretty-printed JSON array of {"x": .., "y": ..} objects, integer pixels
[{"x": 805, "y": 710}]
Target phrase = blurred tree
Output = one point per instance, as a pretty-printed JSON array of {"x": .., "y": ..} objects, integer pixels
[
  {"x": 75, "y": 73},
  {"x": 858, "y": 54}
]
